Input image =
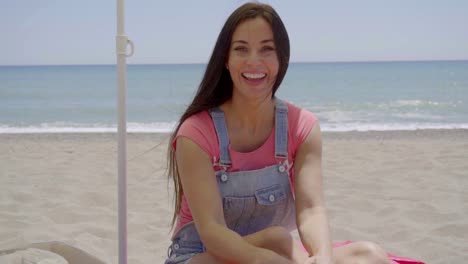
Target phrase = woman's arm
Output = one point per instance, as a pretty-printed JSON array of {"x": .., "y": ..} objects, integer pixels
[
  {"x": 311, "y": 215},
  {"x": 204, "y": 199}
]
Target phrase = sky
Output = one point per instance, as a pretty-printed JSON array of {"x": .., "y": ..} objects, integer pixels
[{"x": 62, "y": 32}]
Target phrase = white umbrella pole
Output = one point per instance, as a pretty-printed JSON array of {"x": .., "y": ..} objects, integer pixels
[{"x": 121, "y": 47}]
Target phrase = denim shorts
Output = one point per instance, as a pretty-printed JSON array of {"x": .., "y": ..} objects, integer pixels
[{"x": 185, "y": 245}]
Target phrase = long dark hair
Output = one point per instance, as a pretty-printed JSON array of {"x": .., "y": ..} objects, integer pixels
[{"x": 216, "y": 85}]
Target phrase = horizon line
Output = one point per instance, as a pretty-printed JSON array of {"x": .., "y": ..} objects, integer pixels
[{"x": 204, "y": 63}]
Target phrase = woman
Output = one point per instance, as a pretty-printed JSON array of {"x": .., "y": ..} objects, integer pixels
[{"x": 246, "y": 165}]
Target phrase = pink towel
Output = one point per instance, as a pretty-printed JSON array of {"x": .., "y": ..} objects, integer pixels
[{"x": 395, "y": 259}]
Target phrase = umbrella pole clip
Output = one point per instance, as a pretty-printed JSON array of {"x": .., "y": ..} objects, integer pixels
[{"x": 122, "y": 42}]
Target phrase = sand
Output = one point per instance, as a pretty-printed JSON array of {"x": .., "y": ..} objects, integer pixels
[{"x": 405, "y": 190}]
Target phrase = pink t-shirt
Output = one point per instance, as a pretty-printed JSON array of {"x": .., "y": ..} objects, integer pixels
[{"x": 200, "y": 129}]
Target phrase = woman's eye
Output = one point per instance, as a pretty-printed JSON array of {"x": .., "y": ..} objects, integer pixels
[
  {"x": 268, "y": 48},
  {"x": 243, "y": 49}
]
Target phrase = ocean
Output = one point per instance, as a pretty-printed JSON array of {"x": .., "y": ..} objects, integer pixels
[{"x": 349, "y": 96}]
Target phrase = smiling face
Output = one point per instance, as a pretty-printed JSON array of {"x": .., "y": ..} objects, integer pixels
[{"x": 253, "y": 61}]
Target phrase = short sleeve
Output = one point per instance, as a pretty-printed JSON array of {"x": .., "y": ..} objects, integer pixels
[
  {"x": 301, "y": 122},
  {"x": 200, "y": 129}
]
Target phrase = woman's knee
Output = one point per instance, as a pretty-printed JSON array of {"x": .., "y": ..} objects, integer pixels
[{"x": 370, "y": 251}]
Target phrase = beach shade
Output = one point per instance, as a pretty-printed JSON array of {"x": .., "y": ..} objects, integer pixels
[{"x": 121, "y": 49}]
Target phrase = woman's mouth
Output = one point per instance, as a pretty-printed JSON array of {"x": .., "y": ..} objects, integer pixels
[{"x": 254, "y": 77}]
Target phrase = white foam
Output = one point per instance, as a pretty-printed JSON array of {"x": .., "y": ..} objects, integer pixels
[
  {"x": 160, "y": 127},
  {"x": 337, "y": 116},
  {"x": 415, "y": 115},
  {"x": 408, "y": 102},
  {"x": 388, "y": 127},
  {"x": 416, "y": 103},
  {"x": 169, "y": 127}
]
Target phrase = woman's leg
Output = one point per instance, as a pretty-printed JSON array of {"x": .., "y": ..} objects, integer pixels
[
  {"x": 276, "y": 238},
  {"x": 204, "y": 258},
  {"x": 280, "y": 241},
  {"x": 362, "y": 252}
]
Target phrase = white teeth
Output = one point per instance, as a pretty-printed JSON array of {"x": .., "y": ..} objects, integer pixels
[{"x": 254, "y": 75}]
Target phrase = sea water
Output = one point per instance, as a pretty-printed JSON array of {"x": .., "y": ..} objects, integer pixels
[{"x": 350, "y": 96}]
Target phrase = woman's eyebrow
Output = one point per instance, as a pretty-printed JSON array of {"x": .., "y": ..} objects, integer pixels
[
  {"x": 240, "y": 41},
  {"x": 266, "y": 40}
]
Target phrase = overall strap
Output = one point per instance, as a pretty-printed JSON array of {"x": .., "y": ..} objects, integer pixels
[
  {"x": 223, "y": 138},
  {"x": 281, "y": 130}
]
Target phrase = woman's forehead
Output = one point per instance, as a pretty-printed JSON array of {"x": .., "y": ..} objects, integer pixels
[{"x": 253, "y": 30}]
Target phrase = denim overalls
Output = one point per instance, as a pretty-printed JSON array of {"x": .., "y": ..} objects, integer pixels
[{"x": 252, "y": 200}]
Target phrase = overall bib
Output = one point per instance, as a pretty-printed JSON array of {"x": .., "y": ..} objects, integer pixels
[{"x": 252, "y": 200}]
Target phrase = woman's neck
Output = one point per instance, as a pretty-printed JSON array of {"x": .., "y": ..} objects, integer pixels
[{"x": 251, "y": 116}]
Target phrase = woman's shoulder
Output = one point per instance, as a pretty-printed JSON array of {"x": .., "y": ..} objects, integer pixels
[
  {"x": 300, "y": 123},
  {"x": 200, "y": 129},
  {"x": 298, "y": 115},
  {"x": 199, "y": 120}
]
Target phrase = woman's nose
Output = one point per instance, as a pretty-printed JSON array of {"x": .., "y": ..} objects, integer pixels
[{"x": 254, "y": 59}]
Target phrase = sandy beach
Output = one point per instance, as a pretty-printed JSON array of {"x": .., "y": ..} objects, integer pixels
[{"x": 405, "y": 190}]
